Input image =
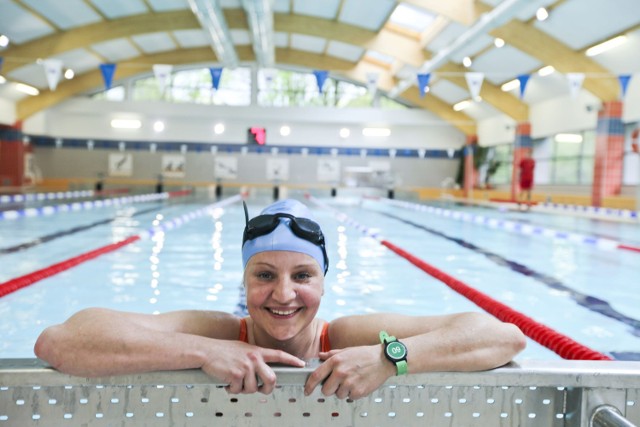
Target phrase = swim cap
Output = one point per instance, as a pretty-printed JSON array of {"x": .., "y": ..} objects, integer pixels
[{"x": 282, "y": 238}]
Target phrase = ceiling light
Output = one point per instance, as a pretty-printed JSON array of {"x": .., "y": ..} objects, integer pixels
[
  {"x": 344, "y": 133},
  {"x": 376, "y": 132},
  {"x": 571, "y": 138},
  {"x": 126, "y": 124},
  {"x": 158, "y": 126},
  {"x": 2, "y": 80},
  {"x": 466, "y": 61},
  {"x": 542, "y": 14},
  {"x": 511, "y": 85},
  {"x": 498, "y": 42},
  {"x": 219, "y": 128},
  {"x": 285, "y": 131},
  {"x": 604, "y": 46},
  {"x": 29, "y": 90},
  {"x": 4, "y": 40},
  {"x": 545, "y": 71},
  {"x": 462, "y": 105},
  {"x": 69, "y": 74}
]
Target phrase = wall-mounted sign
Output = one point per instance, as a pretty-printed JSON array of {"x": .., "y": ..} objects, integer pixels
[{"x": 120, "y": 164}]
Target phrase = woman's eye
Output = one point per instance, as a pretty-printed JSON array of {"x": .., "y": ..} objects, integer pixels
[
  {"x": 264, "y": 275},
  {"x": 302, "y": 276}
]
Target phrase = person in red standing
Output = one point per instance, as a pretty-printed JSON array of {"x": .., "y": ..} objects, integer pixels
[{"x": 526, "y": 166}]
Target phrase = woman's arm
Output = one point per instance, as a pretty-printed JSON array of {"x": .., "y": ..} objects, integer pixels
[
  {"x": 459, "y": 342},
  {"x": 100, "y": 342}
]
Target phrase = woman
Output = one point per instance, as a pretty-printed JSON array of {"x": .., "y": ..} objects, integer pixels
[{"x": 285, "y": 262}]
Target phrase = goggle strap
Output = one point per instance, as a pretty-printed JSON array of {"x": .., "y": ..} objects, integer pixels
[{"x": 246, "y": 213}]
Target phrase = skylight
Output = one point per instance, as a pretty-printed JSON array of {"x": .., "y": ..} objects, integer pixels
[{"x": 411, "y": 17}]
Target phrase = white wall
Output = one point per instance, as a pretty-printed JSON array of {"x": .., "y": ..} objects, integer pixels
[
  {"x": 564, "y": 114},
  {"x": 7, "y": 112},
  {"x": 84, "y": 118},
  {"x": 496, "y": 130}
]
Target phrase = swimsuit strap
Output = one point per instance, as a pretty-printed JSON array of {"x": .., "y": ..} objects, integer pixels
[{"x": 243, "y": 336}]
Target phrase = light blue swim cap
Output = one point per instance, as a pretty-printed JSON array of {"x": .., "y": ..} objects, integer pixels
[{"x": 282, "y": 238}]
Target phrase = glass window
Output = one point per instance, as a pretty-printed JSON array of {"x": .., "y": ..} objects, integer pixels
[{"x": 116, "y": 93}]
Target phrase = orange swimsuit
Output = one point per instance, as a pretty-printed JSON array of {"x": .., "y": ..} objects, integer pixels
[{"x": 325, "y": 345}]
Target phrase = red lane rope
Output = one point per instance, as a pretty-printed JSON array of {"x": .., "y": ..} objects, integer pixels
[
  {"x": 629, "y": 248},
  {"x": 561, "y": 344},
  {"x": 31, "y": 278}
]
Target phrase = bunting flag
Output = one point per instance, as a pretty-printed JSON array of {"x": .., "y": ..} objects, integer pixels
[
  {"x": 107, "y": 71},
  {"x": 624, "y": 82},
  {"x": 523, "y": 79},
  {"x": 53, "y": 72},
  {"x": 321, "y": 77},
  {"x": 1, "y": 61},
  {"x": 474, "y": 81},
  {"x": 423, "y": 83},
  {"x": 575, "y": 83},
  {"x": 216, "y": 74},
  {"x": 372, "y": 82},
  {"x": 163, "y": 75}
]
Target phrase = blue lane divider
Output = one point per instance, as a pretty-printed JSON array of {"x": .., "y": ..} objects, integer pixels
[
  {"x": 511, "y": 226},
  {"x": 594, "y": 210},
  {"x": 80, "y": 206},
  {"x": 38, "y": 197},
  {"x": 213, "y": 209}
]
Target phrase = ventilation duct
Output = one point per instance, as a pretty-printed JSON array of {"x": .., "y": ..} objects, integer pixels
[
  {"x": 260, "y": 18},
  {"x": 211, "y": 18}
]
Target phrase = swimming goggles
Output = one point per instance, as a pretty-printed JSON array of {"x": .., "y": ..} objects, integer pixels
[{"x": 303, "y": 228}]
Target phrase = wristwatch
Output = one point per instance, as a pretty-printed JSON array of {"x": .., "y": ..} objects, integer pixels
[{"x": 395, "y": 351}]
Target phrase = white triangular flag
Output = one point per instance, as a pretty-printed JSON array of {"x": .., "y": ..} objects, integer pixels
[
  {"x": 372, "y": 82},
  {"x": 53, "y": 72},
  {"x": 474, "y": 81},
  {"x": 163, "y": 75},
  {"x": 575, "y": 83}
]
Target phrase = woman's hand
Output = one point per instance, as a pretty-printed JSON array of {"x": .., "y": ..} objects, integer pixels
[
  {"x": 243, "y": 366},
  {"x": 352, "y": 373}
]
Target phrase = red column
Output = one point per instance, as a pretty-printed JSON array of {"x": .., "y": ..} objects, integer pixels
[
  {"x": 11, "y": 156},
  {"x": 522, "y": 147},
  {"x": 469, "y": 169},
  {"x": 609, "y": 153}
]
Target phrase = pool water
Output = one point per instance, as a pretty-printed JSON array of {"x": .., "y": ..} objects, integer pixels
[{"x": 581, "y": 291}]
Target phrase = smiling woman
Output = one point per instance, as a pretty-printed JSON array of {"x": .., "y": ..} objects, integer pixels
[{"x": 285, "y": 263}]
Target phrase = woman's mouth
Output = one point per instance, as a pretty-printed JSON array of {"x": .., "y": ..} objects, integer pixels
[{"x": 284, "y": 313}]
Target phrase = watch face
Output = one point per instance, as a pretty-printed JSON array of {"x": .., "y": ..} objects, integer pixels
[{"x": 396, "y": 350}]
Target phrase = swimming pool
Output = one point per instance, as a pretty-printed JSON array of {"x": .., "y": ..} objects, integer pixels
[{"x": 579, "y": 290}]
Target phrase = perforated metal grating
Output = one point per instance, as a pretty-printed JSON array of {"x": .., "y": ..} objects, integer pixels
[{"x": 33, "y": 396}]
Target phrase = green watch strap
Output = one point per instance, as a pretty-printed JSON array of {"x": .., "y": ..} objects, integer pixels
[{"x": 402, "y": 367}]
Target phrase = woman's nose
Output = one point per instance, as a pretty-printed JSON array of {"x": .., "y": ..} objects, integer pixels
[{"x": 284, "y": 290}]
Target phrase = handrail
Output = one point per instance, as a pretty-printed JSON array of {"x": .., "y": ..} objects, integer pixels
[{"x": 529, "y": 393}]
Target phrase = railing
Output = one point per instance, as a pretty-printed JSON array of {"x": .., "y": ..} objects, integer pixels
[{"x": 557, "y": 393}]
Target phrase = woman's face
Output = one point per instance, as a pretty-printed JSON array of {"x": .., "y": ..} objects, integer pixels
[{"x": 283, "y": 292}]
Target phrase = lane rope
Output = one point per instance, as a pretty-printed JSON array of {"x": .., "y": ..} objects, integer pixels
[
  {"x": 20, "y": 282},
  {"x": 517, "y": 226},
  {"x": 89, "y": 204},
  {"x": 560, "y": 344}
]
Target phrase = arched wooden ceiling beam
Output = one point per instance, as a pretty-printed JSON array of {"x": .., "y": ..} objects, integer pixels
[{"x": 550, "y": 51}]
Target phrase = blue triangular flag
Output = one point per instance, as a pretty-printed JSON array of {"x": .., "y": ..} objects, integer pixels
[
  {"x": 624, "y": 82},
  {"x": 321, "y": 76},
  {"x": 216, "y": 73},
  {"x": 423, "y": 83},
  {"x": 523, "y": 79},
  {"x": 107, "y": 74}
]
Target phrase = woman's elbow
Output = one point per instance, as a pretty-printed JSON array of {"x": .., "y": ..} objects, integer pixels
[
  {"x": 46, "y": 346},
  {"x": 515, "y": 340}
]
